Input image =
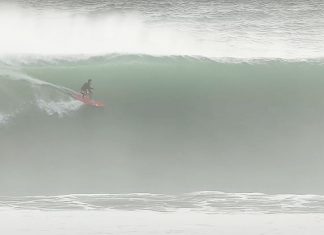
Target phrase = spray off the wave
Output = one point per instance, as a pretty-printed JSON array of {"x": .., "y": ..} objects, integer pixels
[{"x": 259, "y": 31}]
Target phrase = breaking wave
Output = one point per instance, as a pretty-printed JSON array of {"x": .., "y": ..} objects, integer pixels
[
  {"x": 26, "y": 30},
  {"x": 206, "y": 201}
]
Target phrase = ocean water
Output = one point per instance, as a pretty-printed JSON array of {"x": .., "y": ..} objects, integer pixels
[
  {"x": 200, "y": 95},
  {"x": 205, "y": 212},
  {"x": 211, "y": 202}
]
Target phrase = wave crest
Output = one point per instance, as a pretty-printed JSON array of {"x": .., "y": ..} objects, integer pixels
[{"x": 48, "y": 32}]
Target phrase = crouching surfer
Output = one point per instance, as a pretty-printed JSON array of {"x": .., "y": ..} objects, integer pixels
[{"x": 86, "y": 89}]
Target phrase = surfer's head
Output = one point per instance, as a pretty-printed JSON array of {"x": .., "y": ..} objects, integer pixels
[{"x": 90, "y": 80}]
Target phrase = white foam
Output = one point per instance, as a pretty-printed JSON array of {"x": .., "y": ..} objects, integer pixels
[
  {"x": 147, "y": 222},
  {"x": 60, "y": 108},
  {"x": 4, "y": 118},
  {"x": 24, "y": 31}
]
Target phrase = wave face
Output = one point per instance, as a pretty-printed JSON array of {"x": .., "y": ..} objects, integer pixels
[
  {"x": 255, "y": 127},
  {"x": 215, "y": 29},
  {"x": 200, "y": 95},
  {"x": 23, "y": 93},
  {"x": 207, "y": 202}
]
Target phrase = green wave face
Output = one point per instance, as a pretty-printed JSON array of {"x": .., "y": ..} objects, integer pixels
[{"x": 226, "y": 125}]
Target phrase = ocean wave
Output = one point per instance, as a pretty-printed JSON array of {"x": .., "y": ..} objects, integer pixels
[
  {"x": 13, "y": 61},
  {"x": 211, "y": 201},
  {"x": 55, "y": 32},
  {"x": 47, "y": 97}
]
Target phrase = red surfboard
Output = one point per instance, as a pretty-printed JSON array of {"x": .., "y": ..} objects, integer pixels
[{"x": 86, "y": 100}]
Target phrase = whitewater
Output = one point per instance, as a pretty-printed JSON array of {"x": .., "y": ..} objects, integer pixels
[
  {"x": 221, "y": 99},
  {"x": 144, "y": 213},
  {"x": 217, "y": 29}
]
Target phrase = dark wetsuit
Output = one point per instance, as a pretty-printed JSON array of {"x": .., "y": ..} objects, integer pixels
[{"x": 86, "y": 89}]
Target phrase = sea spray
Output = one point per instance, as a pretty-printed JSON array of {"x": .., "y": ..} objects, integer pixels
[
  {"x": 50, "y": 98},
  {"x": 216, "y": 29}
]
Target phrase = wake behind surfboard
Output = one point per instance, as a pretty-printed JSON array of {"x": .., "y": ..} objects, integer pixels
[{"x": 87, "y": 100}]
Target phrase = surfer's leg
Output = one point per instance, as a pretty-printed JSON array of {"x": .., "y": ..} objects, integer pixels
[{"x": 83, "y": 94}]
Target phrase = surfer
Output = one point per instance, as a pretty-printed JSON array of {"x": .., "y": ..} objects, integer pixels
[
  {"x": 86, "y": 89},
  {"x": 85, "y": 95}
]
